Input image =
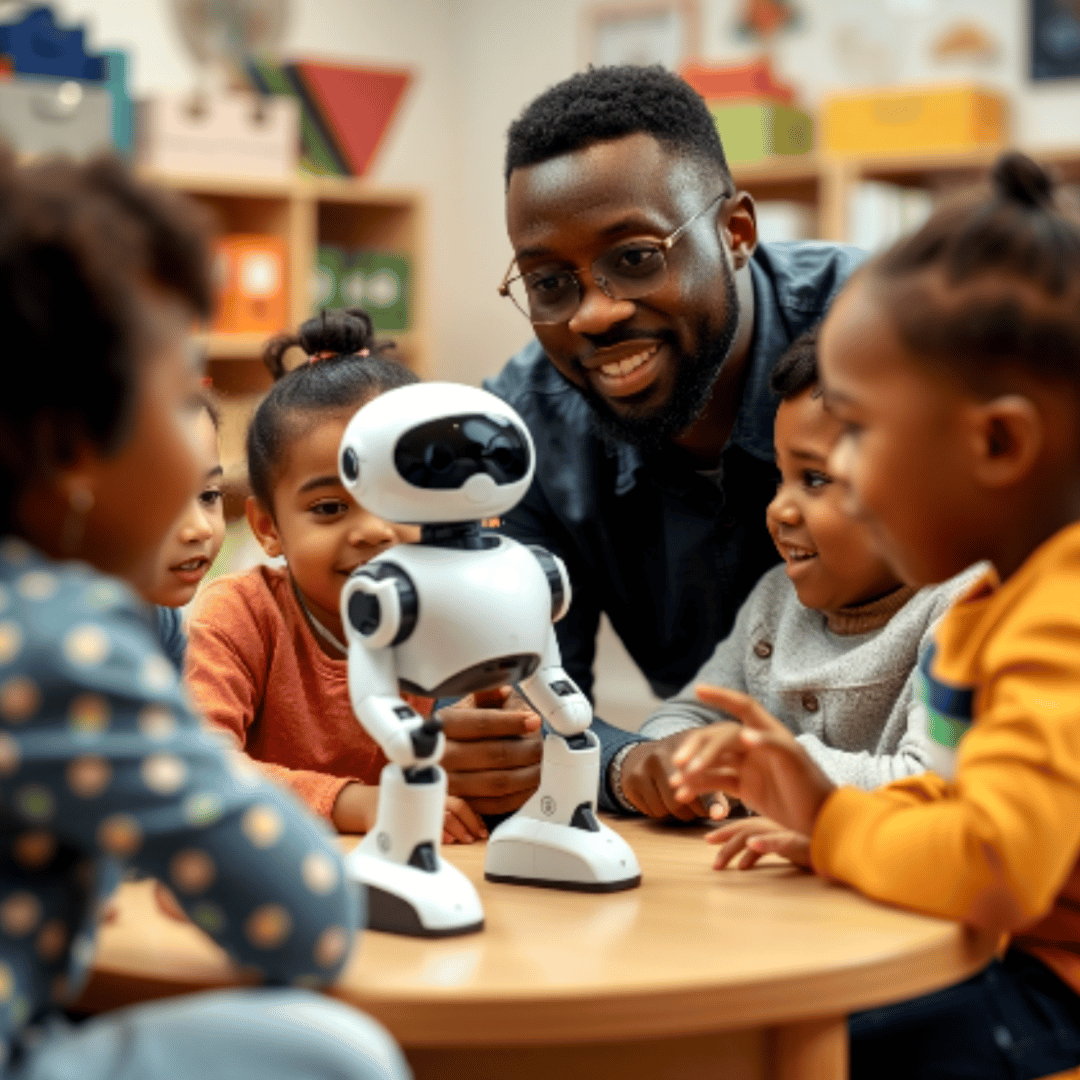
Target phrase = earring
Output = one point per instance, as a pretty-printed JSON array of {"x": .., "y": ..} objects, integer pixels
[{"x": 80, "y": 503}]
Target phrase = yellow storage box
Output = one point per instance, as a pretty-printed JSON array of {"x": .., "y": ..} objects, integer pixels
[{"x": 913, "y": 120}]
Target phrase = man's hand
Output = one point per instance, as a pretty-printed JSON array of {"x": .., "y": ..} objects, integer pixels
[
  {"x": 757, "y": 836},
  {"x": 493, "y": 750},
  {"x": 760, "y": 763},
  {"x": 645, "y": 771}
]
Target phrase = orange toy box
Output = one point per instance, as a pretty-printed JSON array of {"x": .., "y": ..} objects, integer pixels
[
  {"x": 251, "y": 284},
  {"x": 913, "y": 120}
]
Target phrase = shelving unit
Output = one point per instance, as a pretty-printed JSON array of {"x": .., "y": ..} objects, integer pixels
[
  {"x": 826, "y": 183},
  {"x": 304, "y": 211}
]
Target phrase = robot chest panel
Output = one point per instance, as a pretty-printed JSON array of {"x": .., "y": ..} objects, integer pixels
[{"x": 473, "y": 606}]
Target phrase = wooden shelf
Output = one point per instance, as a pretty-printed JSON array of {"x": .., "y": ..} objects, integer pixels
[
  {"x": 246, "y": 346},
  {"x": 826, "y": 181}
]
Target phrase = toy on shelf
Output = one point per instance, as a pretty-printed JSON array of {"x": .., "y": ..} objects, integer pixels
[
  {"x": 460, "y": 611},
  {"x": 755, "y": 114}
]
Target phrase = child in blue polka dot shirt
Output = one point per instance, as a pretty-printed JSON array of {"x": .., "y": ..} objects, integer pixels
[{"x": 103, "y": 766}]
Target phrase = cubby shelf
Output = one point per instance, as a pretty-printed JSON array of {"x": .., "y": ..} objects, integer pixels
[
  {"x": 304, "y": 211},
  {"x": 825, "y": 182}
]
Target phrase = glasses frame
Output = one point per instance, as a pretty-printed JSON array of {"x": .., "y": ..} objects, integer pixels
[{"x": 665, "y": 244}]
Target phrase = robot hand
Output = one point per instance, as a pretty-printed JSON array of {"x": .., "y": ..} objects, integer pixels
[{"x": 556, "y": 696}]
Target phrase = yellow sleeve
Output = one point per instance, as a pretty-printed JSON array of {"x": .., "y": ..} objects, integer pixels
[{"x": 994, "y": 847}]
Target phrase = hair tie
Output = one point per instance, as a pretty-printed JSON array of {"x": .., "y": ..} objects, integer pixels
[{"x": 314, "y": 358}]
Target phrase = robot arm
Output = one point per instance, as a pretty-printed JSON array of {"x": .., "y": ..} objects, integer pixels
[
  {"x": 555, "y": 695},
  {"x": 375, "y": 611}
]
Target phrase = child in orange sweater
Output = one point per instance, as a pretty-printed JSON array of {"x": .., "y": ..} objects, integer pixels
[
  {"x": 953, "y": 364},
  {"x": 266, "y": 661}
]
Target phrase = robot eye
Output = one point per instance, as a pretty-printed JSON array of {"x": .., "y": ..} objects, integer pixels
[
  {"x": 350, "y": 465},
  {"x": 439, "y": 457}
]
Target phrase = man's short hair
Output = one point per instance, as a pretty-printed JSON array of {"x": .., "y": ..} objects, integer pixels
[{"x": 612, "y": 102}]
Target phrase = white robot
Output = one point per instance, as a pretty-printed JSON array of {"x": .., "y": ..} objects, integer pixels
[{"x": 460, "y": 611}]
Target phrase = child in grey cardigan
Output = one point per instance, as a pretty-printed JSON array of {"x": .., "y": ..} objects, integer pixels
[{"x": 828, "y": 641}]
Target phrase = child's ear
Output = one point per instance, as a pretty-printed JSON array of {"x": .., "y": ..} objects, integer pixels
[
  {"x": 263, "y": 526},
  {"x": 1008, "y": 440}
]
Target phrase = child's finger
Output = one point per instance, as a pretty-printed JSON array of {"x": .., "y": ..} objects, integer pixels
[
  {"x": 791, "y": 845},
  {"x": 689, "y": 747},
  {"x": 749, "y": 858},
  {"x": 456, "y": 830},
  {"x": 688, "y": 786},
  {"x": 742, "y": 706},
  {"x": 468, "y": 817}
]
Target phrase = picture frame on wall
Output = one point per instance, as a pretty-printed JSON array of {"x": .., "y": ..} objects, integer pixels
[
  {"x": 665, "y": 32},
  {"x": 1054, "y": 37}
]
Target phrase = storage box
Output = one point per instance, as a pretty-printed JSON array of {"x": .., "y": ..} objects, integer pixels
[
  {"x": 752, "y": 131},
  {"x": 251, "y": 274},
  {"x": 914, "y": 120},
  {"x": 48, "y": 116},
  {"x": 232, "y": 135}
]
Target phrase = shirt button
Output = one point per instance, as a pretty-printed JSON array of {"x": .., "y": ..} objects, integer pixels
[
  {"x": 763, "y": 649},
  {"x": 810, "y": 702}
]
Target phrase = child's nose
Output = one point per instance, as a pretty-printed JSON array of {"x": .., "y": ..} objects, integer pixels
[
  {"x": 371, "y": 531},
  {"x": 784, "y": 510},
  {"x": 197, "y": 527}
]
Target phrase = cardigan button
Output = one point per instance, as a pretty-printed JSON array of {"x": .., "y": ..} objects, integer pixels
[
  {"x": 810, "y": 702},
  {"x": 763, "y": 649}
]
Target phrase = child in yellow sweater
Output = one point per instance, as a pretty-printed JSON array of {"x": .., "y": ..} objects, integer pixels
[{"x": 953, "y": 362}]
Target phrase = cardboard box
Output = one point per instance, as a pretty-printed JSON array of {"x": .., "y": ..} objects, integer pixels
[
  {"x": 914, "y": 120},
  {"x": 233, "y": 135},
  {"x": 753, "y": 131},
  {"x": 252, "y": 297}
]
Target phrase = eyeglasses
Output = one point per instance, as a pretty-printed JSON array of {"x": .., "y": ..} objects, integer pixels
[{"x": 627, "y": 271}]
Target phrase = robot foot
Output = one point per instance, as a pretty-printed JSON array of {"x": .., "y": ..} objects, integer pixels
[
  {"x": 416, "y": 902},
  {"x": 526, "y": 851}
]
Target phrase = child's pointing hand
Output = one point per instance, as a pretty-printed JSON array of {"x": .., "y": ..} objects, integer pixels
[{"x": 762, "y": 764}]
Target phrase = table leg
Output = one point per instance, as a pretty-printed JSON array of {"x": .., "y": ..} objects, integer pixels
[{"x": 811, "y": 1050}]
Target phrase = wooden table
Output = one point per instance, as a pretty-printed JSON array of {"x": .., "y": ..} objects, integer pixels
[{"x": 733, "y": 975}]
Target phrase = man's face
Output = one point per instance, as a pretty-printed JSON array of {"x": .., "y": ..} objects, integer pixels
[{"x": 647, "y": 366}]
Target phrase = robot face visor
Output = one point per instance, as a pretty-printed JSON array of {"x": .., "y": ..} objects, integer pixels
[{"x": 442, "y": 454}]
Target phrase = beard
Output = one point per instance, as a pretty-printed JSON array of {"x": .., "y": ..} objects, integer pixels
[{"x": 695, "y": 375}]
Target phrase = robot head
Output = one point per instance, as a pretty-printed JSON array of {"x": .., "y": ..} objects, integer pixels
[{"x": 436, "y": 452}]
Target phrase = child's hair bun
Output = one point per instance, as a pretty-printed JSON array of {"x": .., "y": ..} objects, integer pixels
[
  {"x": 1018, "y": 179},
  {"x": 333, "y": 332}
]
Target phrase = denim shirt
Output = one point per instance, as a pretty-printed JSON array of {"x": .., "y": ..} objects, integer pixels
[{"x": 667, "y": 553}]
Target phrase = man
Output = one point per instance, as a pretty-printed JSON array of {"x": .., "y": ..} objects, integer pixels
[{"x": 658, "y": 319}]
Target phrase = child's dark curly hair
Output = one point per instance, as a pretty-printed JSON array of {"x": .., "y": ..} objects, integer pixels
[
  {"x": 991, "y": 281},
  {"x": 609, "y": 103},
  {"x": 80, "y": 245},
  {"x": 344, "y": 370}
]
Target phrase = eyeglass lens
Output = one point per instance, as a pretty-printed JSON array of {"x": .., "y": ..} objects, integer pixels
[{"x": 626, "y": 272}]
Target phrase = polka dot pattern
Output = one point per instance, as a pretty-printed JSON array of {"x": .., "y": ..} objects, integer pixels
[
  {"x": 202, "y": 809},
  {"x": 268, "y": 926},
  {"x": 331, "y": 946},
  {"x": 262, "y": 825},
  {"x": 88, "y": 776},
  {"x": 9, "y": 755},
  {"x": 164, "y": 774},
  {"x": 157, "y": 674},
  {"x": 98, "y": 746},
  {"x": 32, "y": 850},
  {"x": 88, "y": 715},
  {"x": 157, "y": 723},
  {"x": 319, "y": 872},
  {"x": 11, "y": 641},
  {"x": 35, "y": 803},
  {"x": 20, "y": 913},
  {"x": 120, "y": 834},
  {"x": 19, "y": 699},
  {"x": 192, "y": 870},
  {"x": 87, "y": 645},
  {"x": 37, "y": 585}
]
